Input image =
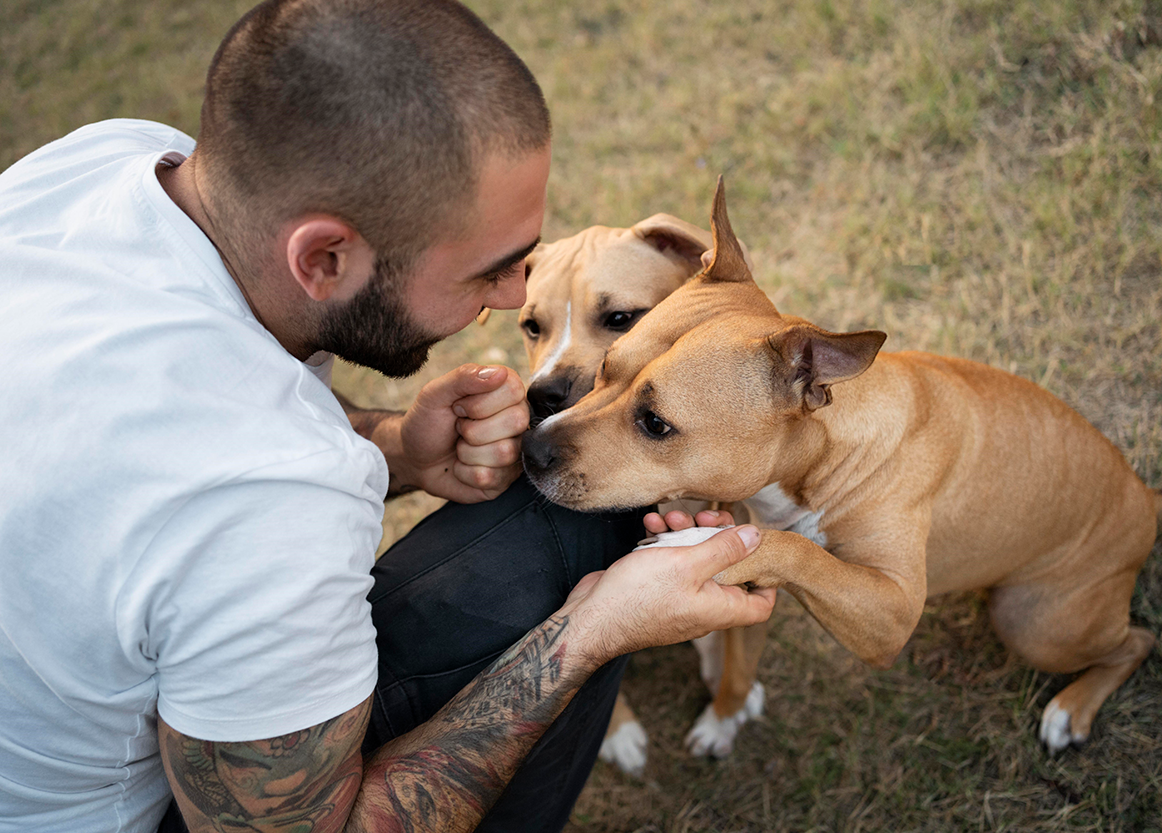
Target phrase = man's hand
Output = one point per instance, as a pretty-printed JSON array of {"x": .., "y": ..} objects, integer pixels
[
  {"x": 663, "y": 595},
  {"x": 677, "y": 520},
  {"x": 460, "y": 440},
  {"x": 446, "y": 773}
]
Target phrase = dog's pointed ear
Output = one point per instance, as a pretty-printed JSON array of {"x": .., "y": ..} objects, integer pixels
[
  {"x": 675, "y": 238},
  {"x": 729, "y": 262},
  {"x": 809, "y": 360}
]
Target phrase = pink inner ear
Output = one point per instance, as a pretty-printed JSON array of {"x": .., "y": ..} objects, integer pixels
[{"x": 684, "y": 247}]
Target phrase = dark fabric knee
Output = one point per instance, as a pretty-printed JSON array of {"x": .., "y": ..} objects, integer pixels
[{"x": 469, "y": 582}]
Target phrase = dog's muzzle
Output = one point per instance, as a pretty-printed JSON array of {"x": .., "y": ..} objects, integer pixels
[
  {"x": 555, "y": 393},
  {"x": 539, "y": 453}
]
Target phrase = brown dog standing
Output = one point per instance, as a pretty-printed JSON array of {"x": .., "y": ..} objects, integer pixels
[
  {"x": 885, "y": 480},
  {"x": 583, "y": 293}
]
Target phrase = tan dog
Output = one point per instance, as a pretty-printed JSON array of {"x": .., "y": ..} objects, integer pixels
[
  {"x": 583, "y": 293},
  {"x": 586, "y": 290},
  {"x": 905, "y": 478}
]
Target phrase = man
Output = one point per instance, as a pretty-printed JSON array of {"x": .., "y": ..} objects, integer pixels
[{"x": 189, "y": 608}]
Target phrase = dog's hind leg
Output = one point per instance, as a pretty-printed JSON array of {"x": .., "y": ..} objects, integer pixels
[
  {"x": 1068, "y": 717},
  {"x": 738, "y": 696},
  {"x": 1066, "y": 625},
  {"x": 625, "y": 739}
]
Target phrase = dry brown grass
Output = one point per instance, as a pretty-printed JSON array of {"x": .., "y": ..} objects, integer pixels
[{"x": 976, "y": 177}]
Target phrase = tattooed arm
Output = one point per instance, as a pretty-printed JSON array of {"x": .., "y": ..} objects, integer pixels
[{"x": 446, "y": 774}]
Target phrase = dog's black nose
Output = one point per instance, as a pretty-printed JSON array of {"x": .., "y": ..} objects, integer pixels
[
  {"x": 548, "y": 396},
  {"x": 539, "y": 453}
]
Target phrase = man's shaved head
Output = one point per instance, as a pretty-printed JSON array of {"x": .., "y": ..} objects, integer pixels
[{"x": 377, "y": 112}]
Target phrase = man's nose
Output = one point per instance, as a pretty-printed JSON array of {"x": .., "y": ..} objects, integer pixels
[{"x": 509, "y": 293}]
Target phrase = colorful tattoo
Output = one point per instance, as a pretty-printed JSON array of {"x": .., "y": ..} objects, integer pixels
[
  {"x": 444, "y": 775},
  {"x": 304, "y": 781}
]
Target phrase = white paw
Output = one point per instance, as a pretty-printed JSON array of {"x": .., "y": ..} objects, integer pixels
[
  {"x": 713, "y": 735},
  {"x": 1055, "y": 728},
  {"x": 681, "y": 537},
  {"x": 626, "y": 748}
]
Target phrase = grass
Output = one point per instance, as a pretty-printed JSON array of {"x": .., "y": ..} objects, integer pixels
[{"x": 976, "y": 177}]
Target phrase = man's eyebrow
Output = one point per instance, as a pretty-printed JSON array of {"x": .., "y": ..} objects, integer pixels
[{"x": 509, "y": 260}]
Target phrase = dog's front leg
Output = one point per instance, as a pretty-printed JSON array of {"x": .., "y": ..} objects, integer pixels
[{"x": 870, "y": 601}]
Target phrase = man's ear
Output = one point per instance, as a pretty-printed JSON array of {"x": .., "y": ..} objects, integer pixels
[
  {"x": 811, "y": 360},
  {"x": 329, "y": 259}
]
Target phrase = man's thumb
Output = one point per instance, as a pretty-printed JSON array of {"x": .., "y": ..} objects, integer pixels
[{"x": 732, "y": 545}]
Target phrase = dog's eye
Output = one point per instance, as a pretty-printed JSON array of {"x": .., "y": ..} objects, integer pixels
[
  {"x": 620, "y": 320},
  {"x": 531, "y": 327},
  {"x": 653, "y": 425}
]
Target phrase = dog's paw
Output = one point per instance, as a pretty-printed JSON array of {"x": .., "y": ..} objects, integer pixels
[
  {"x": 680, "y": 537},
  {"x": 713, "y": 735},
  {"x": 626, "y": 749},
  {"x": 1056, "y": 729}
]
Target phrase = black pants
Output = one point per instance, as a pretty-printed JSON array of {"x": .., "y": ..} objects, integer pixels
[{"x": 464, "y": 585}]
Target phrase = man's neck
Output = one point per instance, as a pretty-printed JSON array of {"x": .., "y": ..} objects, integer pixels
[{"x": 181, "y": 184}]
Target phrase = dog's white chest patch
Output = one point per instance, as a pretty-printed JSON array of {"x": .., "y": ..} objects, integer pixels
[{"x": 771, "y": 507}]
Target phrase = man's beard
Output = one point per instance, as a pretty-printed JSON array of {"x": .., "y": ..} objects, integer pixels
[{"x": 374, "y": 329}]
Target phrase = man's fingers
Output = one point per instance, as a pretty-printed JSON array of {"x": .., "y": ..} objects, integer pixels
[
  {"x": 749, "y": 608},
  {"x": 654, "y": 523},
  {"x": 489, "y": 480},
  {"x": 509, "y": 394},
  {"x": 677, "y": 520},
  {"x": 509, "y": 423},
  {"x": 466, "y": 380},
  {"x": 501, "y": 453},
  {"x": 714, "y": 517}
]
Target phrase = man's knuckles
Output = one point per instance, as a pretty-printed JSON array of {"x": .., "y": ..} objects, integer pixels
[
  {"x": 499, "y": 427},
  {"x": 487, "y": 478},
  {"x": 501, "y": 453}
]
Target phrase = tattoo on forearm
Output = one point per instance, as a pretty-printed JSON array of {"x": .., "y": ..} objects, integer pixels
[
  {"x": 463, "y": 758},
  {"x": 443, "y": 776},
  {"x": 303, "y": 781}
]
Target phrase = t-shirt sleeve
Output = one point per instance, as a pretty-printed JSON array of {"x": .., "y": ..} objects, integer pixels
[{"x": 254, "y": 597}]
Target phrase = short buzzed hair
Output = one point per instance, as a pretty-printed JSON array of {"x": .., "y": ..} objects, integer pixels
[{"x": 375, "y": 111}]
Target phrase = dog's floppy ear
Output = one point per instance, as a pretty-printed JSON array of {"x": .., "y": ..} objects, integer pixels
[
  {"x": 811, "y": 360},
  {"x": 729, "y": 263},
  {"x": 675, "y": 237}
]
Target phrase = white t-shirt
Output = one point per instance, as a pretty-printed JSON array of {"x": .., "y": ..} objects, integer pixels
[{"x": 187, "y": 521}]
